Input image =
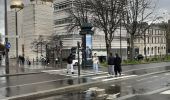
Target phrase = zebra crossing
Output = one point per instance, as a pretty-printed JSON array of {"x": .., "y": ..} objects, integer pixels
[
  {"x": 101, "y": 75},
  {"x": 84, "y": 73}
]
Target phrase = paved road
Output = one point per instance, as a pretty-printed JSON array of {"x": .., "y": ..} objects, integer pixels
[
  {"x": 122, "y": 90},
  {"x": 31, "y": 83}
]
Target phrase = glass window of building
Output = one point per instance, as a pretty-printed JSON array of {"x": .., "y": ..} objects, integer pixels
[
  {"x": 152, "y": 51},
  {"x": 148, "y": 50}
]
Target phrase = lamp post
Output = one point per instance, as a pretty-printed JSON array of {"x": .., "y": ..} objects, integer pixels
[
  {"x": 17, "y": 5},
  {"x": 6, "y": 39}
]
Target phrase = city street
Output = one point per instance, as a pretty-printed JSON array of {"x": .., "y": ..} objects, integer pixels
[{"x": 49, "y": 84}]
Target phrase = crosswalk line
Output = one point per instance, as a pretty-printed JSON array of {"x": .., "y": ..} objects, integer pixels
[
  {"x": 165, "y": 92},
  {"x": 100, "y": 77},
  {"x": 118, "y": 78},
  {"x": 105, "y": 76}
]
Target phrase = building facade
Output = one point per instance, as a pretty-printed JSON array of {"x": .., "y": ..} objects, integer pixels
[
  {"x": 34, "y": 20},
  {"x": 155, "y": 44},
  {"x": 61, "y": 20}
]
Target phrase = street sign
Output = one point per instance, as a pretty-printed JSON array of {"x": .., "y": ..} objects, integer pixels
[{"x": 8, "y": 45}]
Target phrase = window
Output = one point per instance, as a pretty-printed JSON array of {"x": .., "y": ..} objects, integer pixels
[
  {"x": 62, "y": 21},
  {"x": 152, "y": 51},
  {"x": 144, "y": 50},
  {"x": 63, "y": 5},
  {"x": 148, "y": 50}
]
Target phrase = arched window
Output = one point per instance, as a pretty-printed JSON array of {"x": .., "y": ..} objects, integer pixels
[
  {"x": 148, "y": 50},
  {"x": 152, "y": 51},
  {"x": 155, "y": 50},
  {"x": 158, "y": 49},
  {"x": 144, "y": 50}
]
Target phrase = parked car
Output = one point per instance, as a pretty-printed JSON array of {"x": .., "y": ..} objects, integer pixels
[{"x": 139, "y": 57}]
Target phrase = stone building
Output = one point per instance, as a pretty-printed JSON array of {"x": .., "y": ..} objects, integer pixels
[
  {"x": 155, "y": 42},
  {"x": 34, "y": 20}
]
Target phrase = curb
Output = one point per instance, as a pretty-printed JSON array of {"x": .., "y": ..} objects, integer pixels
[{"x": 78, "y": 87}]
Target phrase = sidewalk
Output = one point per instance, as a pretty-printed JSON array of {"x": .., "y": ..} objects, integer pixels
[{"x": 26, "y": 69}]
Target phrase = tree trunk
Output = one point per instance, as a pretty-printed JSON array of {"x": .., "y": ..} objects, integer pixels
[
  {"x": 131, "y": 47},
  {"x": 145, "y": 47},
  {"x": 108, "y": 46}
]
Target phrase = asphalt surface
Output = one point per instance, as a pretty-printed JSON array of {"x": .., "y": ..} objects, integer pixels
[
  {"x": 121, "y": 89},
  {"x": 31, "y": 83}
]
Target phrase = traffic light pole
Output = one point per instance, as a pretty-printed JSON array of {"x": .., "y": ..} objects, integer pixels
[
  {"x": 61, "y": 57},
  {"x": 78, "y": 46},
  {"x": 6, "y": 39}
]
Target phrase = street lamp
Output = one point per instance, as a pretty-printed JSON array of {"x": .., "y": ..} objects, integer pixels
[
  {"x": 17, "y": 5},
  {"x": 6, "y": 39}
]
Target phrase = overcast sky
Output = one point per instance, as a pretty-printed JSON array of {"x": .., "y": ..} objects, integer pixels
[{"x": 163, "y": 7}]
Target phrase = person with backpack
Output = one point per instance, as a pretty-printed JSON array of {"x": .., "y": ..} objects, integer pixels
[{"x": 70, "y": 64}]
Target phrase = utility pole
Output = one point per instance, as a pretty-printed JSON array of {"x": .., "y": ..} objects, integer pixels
[
  {"x": 6, "y": 39},
  {"x": 16, "y": 24},
  {"x": 78, "y": 47}
]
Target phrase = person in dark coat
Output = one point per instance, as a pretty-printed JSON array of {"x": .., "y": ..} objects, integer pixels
[
  {"x": 110, "y": 64},
  {"x": 117, "y": 63}
]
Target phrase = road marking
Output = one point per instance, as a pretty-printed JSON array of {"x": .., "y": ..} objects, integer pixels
[
  {"x": 165, "y": 92},
  {"x": 118, "y": 78},
  {"x": 101, "y": 77},
  {"x": 167, "y": 74},
  {"x": 64, "y": 73},
  {"x": 105, "y": 76},
  {"x": 147, "y": 78}
]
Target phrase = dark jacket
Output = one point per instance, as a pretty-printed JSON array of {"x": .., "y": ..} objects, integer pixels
[
  {"x": 117, "y": 61},
  {"x": 111, "y": 60},
  {"x": 70, "y": 59}
]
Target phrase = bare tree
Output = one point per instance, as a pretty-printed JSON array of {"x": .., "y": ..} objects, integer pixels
[
  {"x": 102, "y": 14},
  {"x": 38, "y": 43},
  {"x": 136, "y": 12}
]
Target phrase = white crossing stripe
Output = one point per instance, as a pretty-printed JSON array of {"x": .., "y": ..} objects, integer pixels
[
  {"x": 106, "y": 76},
  {"x": 165, "y": 92},
  {"x": 101, "y": 77},
  {"x": 64, "y": 72},
  {"x": 118, "y": 78}
]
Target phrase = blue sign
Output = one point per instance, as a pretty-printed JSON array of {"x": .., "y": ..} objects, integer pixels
[{"x": 8, "y": 45}]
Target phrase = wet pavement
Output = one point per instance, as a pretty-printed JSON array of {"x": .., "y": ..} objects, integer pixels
[
  {"x": 23, "y": 84},
  {"x": 157, "y": 96},
  {"x": 119, "y": 89}
]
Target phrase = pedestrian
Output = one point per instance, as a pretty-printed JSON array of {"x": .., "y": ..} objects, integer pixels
[
  {"x": 117, "y": 67},
  {"x": 95, "y": 63},
  {"x": 110, "y": 64},
  {"x": 70, "y": 64}
]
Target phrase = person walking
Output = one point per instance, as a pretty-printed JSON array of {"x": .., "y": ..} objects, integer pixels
[
  {"x": 117, "y": 67},
  {"x": 95, "y": 63},
  {"x": 70, "y": 64},
  {"x": 110, "y": 64}
]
